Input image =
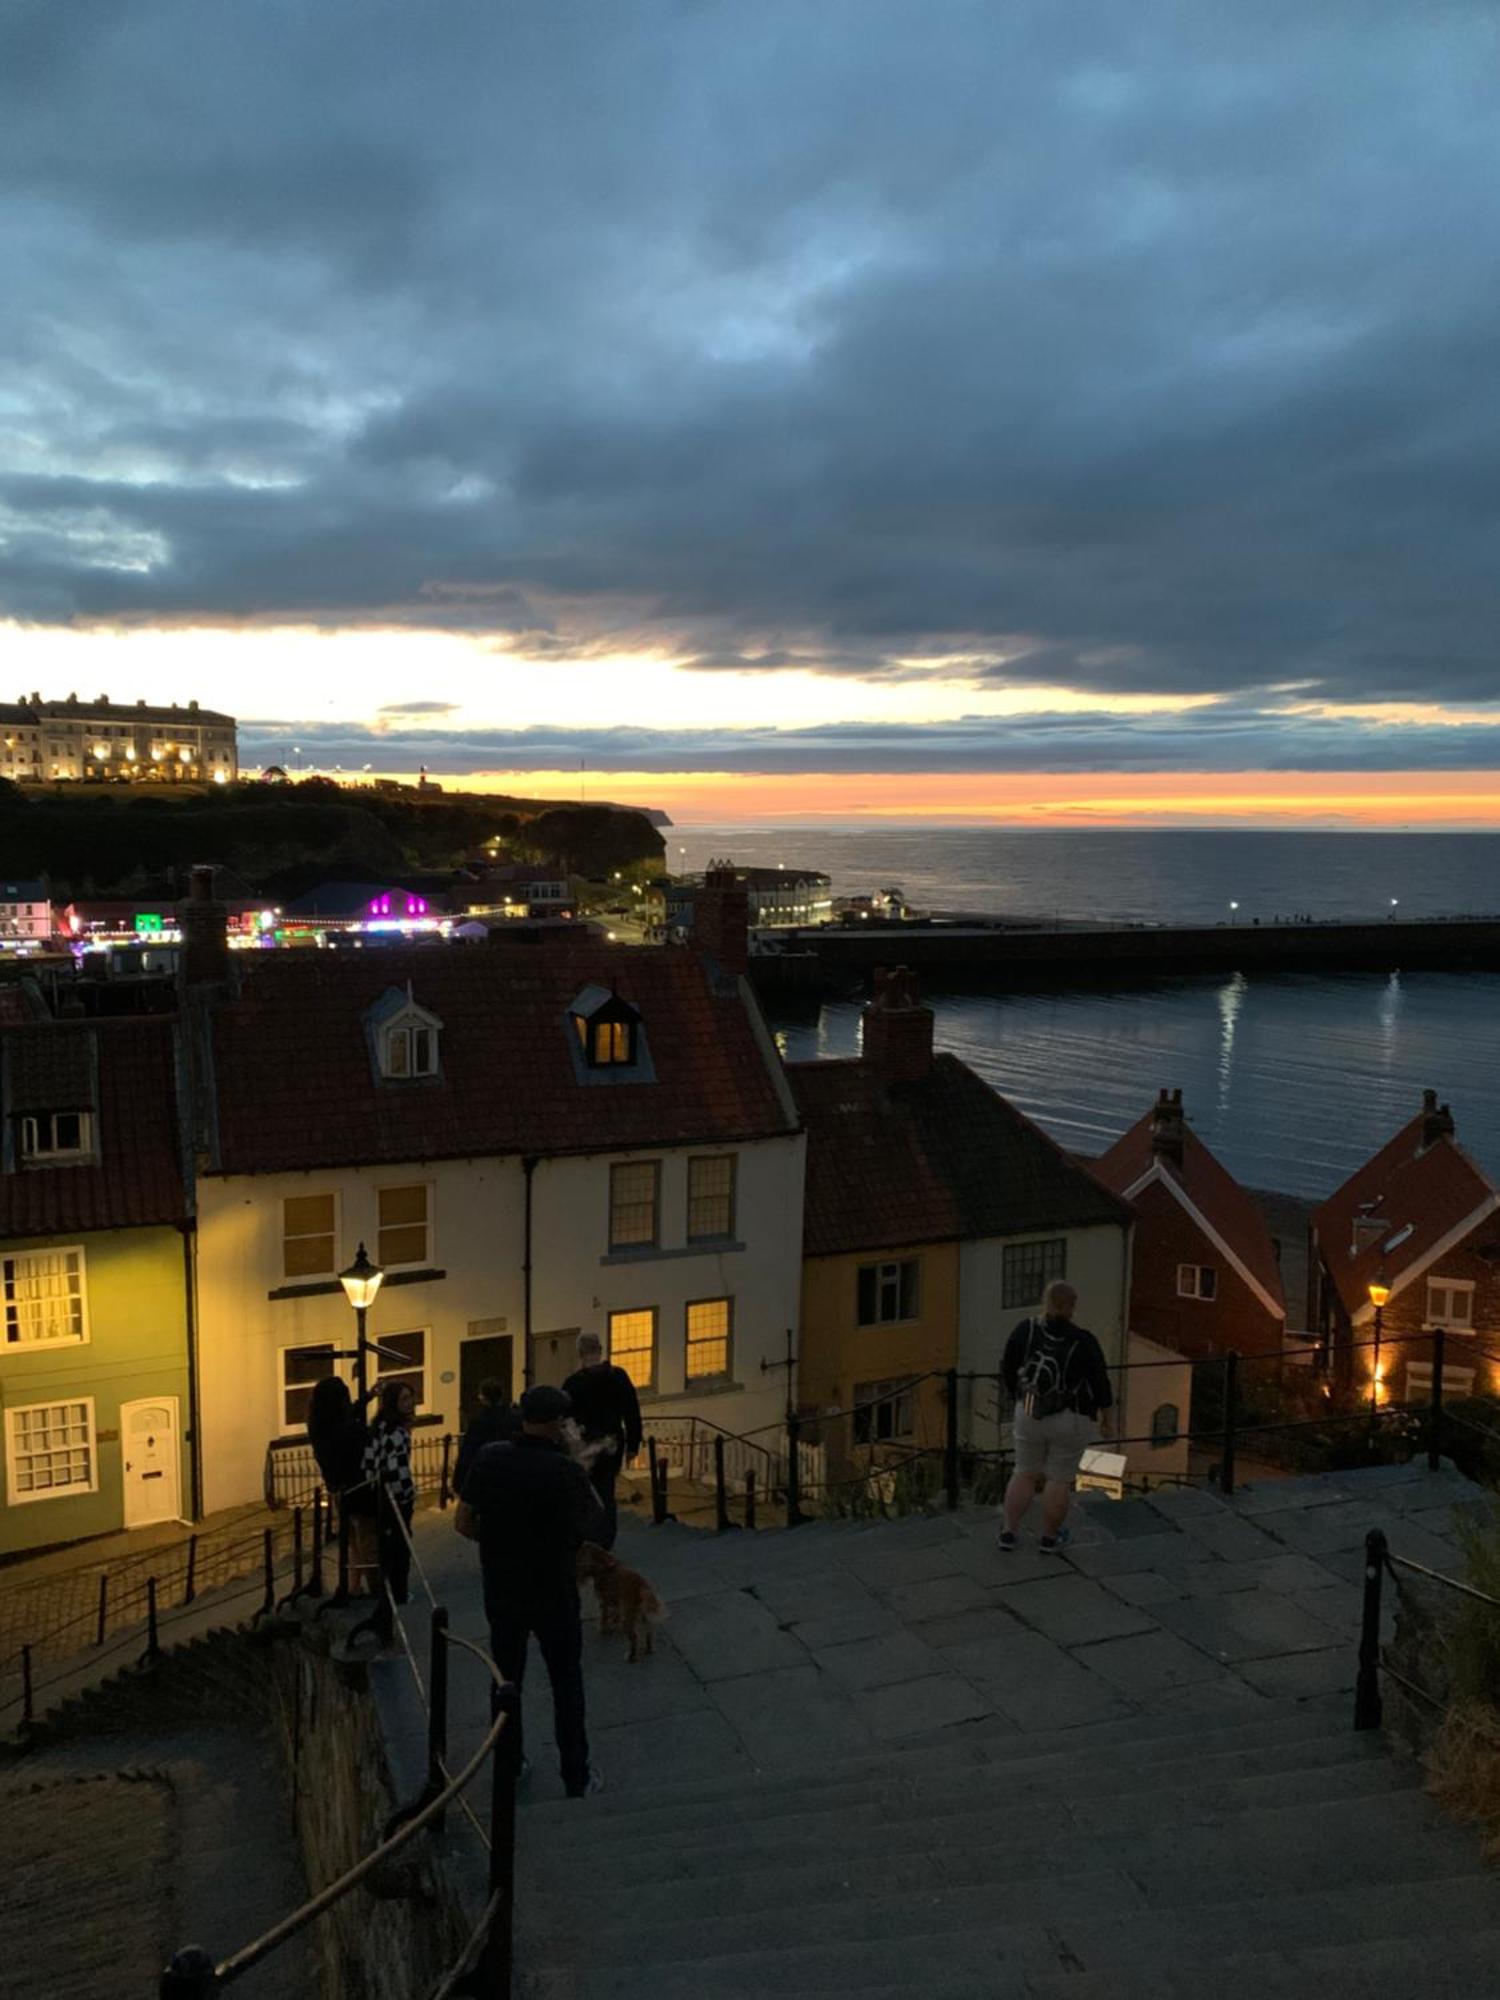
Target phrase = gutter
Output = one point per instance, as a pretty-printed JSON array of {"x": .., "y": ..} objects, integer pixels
[{"x": 528, "y": 1169}]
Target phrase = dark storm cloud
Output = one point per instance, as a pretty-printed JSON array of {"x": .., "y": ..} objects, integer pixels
[{"x": 1141, "y": 348}]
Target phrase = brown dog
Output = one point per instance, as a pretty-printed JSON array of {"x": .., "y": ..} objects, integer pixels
[{"x": 626, "y": 1601}]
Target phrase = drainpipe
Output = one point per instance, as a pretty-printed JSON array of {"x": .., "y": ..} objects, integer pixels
[
  {"x": 190, "y": 1310},
  {"x": 528, "y": 1169}
]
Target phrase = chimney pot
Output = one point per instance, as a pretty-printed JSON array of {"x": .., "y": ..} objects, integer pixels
[
  {"x": 1169, "y": 1126},
  {"x": 897, "y": 1028}
]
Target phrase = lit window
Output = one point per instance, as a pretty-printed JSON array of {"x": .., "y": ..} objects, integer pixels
[
  {"x": 410, "y": 1050},
  {"x": 710, "y": 1198},
  {"x": 634, "y": 1190},
  {"x": 882, "y": 1411},
  {"x": 44, "y": 1298},
  {"x": 51, "y": 1450},
  {"x": 1197, "y": 1281},
  {"x": 411, "y": 1368},
  {"x": 56, "y": 1136},
  {"x": 887, "y": 1292},
  {"x": 632, "y": 1344},
  {"x": 1450, "y": 1304},
  {"x": 1164, "y": 1424},
  {"x": 301, "y": 1369},
  {"x": 308, "y": 1232},
  {"x": 1027, "y": 1269},
  {"x": 709, "y": 1324},
  {"x": 402, "y": 1237},
  {"x": 1456, "y": 1381},
  {"x": 608, "y": 1029}
]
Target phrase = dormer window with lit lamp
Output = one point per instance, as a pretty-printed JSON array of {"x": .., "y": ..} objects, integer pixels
[
  {"x": 406, "y": 1038},
  {"x": 609, "y": 1038}
]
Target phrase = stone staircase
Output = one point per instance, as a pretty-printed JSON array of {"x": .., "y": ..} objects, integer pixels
[{"x": 890, "y": 1760}]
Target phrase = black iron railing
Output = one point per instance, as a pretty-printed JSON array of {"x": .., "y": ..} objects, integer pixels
[{"x": 1381, "y": 1562}]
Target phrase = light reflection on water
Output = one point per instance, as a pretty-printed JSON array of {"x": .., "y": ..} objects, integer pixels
[{"x": 1292, "y": 1080}]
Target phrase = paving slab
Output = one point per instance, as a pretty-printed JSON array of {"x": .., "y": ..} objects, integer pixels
[
  {"x": 882, "y": 1568},
  {"x": 815, "y": 1593},
  {"x": 1149, "y": 1587},
  {"x": 868, "y": 1663},
  {"x": 1302, "y": 1674},
  {"x": 1146, "y": 1662},
  {"x": 1074, "y": 1611},
  {"x": 917, "y": 1708},
  {"x": 1249, "y": 1625},
  {"x": 657, "y": 1686},
  {"x": 632, "y": 1753},
  {"x": 936, "y": 1597},
  {"x": 1162, "y": 1551},
  {"x": 792, "y": 1716},
  {"x": 731, "y": 1633},
  {"x": 1235, "y": 1541},
  {"x": 870, "y": 1621},
  {"x": 1175, "y": 1502},
  {"x": 1034, "y": 1682},
  {"x": 992, "y": 1626}
]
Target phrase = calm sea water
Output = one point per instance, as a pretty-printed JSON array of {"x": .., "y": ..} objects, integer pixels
[{"x": 1292, "y": 1080}]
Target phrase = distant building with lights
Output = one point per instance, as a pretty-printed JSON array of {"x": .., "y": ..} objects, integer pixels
[
  {"x": 115, "y": 742},
  {"x": 777, "y": 898}
]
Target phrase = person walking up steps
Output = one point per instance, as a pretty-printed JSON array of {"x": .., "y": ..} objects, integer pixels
[
  {"x": 1057, "y": 1375},
  {"x": 608, "y": 1415}
]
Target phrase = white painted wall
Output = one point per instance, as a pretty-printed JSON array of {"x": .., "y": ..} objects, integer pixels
[
  {"x": 1156, "y": 1375},
  {"x": 477, "y": 1239}
]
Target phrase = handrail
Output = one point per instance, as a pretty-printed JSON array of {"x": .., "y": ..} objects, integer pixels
[
  {"x": 1437, "y": 1576},
  {"x": 1380, "y": 1562}
]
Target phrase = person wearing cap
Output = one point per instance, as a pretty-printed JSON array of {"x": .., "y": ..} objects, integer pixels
[{"x": 529, "y": 1505}]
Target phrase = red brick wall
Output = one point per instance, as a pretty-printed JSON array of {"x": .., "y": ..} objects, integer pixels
[
  {"x": 1406, "y": 1315},
  {"x": 1166, "y": 1236}
]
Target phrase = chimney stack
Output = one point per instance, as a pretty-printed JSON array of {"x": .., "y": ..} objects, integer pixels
[
  {"x": 721, "y": 919},
  {"x": 204, "y": 923},
  {"x": 1437, "y": 1120},
  {"x": 897, "y": 1028},
  {"x": 1168, "y": 1127}
]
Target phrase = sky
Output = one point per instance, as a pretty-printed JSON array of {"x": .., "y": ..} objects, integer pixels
[{"x": 840, "y": 407}]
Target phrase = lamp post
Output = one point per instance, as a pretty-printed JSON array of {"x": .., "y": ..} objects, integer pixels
[
  {"x": 1233, "y": 909},
  {"x": 1379, "y": 1292},
  {"x": 361, "y": 1282}
]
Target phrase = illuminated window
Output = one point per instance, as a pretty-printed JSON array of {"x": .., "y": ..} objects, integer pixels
[
  {"x": 887, "y": 1292},
  {"x": 608, "y": 1029},
  {"x": 1450, "y": 1304},
  {"x": 308, "y": 1233},
  {"x": 301, "y": 1369},
  {"x": 402, "y": 1237},
  {"x": 410, "y": 1050},
  {"x": 710, "y": 1197},
  {"x": 1197, "y": 1281},
  {"x": 44, "y": 1304},
  {"x": 49, "y": 1137},
  {"x": 410, "y": 1368},
  {"x": 50, "y": 1450},
  {"x": 634, "y": 1201},
  {"x": 882, "y": 1411},
  {"x": 710, "y": 1323},
  {"x": 1027, "y": 1269},
  {"x": 632, "y": 1344}
]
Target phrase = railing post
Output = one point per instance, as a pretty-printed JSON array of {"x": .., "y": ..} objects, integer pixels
[
  {"x": 950, "y": 1438},
  {"x": 721, "y": 1496},
  {"x": 153, "y": 1647},
  {"x": 296, "y": 1551},
  {"x": 315, "y": 1580},
  {"x": 1367, "y": 1705},
  {"x": 1231, "y": 1400},
  {"x": 794, "y": 1514},
  {"x": 341, "y": 1595},
  {"x": 268, "y": 1563},
  {"x": 437, "y": 1711},
  {"x": 749, "y": 1496},
  {"x": 190, "y": 1581},
  {"x": 28, "y": 1692},
  {"x": 445, "y": 1487},
  {"x": 658, "y": 1495},
  {"x": 190, "y": 1976},
  {"x": 1435, "y": 1408},
  {"x": 103, "y": 1606},
  {"x": 494, "y": 1968}
]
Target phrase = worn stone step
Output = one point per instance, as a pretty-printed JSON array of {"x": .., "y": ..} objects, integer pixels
[{"x": 1457, "y": 1966}]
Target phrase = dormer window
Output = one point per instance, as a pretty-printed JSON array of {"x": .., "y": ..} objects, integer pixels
[
  {"x": 411, "y": 1050},
  {"x": 56, "y": 1138},
  {"x": 405, "y": 1037},
  {"x": 608, "y": 1029}
]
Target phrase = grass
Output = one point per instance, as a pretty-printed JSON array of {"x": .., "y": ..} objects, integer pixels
[{"x": 1463, "y": 1755}]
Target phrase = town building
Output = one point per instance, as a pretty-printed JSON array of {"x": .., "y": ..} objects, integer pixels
[
  {"x": 1205, "y": 1278},
  {"x": 95, "y": 1248},
  {"x": 530, "y": 1144},
  {"x": 25, "y": 912},
  {"x": 1417, "y": 1227},
  {"x": 936, "y": 1216},
  {"x": 380, "y": 907},
  {"x": 105, "y": 741},
  {"x": 518, "y": 889},
  {"x": 776, "y": 898}
]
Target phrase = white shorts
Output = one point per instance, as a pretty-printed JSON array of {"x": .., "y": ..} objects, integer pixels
[{"x": 1053, "y": 1445}]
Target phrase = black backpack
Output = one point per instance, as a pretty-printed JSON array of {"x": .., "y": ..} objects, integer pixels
[{"x": 1042, "y": 1381}]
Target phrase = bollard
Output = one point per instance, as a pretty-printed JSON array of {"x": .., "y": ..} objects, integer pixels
[
  {"x": 103, "y": 1606},
  {"x": 721, "y": 1496},
  {"x": 190, "y": 1976},
  {"x": 153, "y": 1648},
  {"x": 1435, "y": 1408},
  {"x": 190, "y": 1581},
  {"x": 1367, "y": 1704},
  {"x": 493, "y": 1973},
  {"x": 437, "y": 1710},
  {"x": 28, "y": 1692},
  {"x": 794, "y": 1514},
  {"x": 445, "y": 1487},
  {"x": 750, "y": 1497},
  {"x": 1231, "y": 1398},
  {"x": 950, "y": 1439}
]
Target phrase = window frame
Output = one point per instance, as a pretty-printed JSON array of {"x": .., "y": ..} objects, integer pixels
[
  {"x": 295, "y": 1426},
  {"x": 13, "y": 1495},
  {"x": 386, "y": 1262},
  {"x": 634, "y": 1312},
  {"x": 1457, "y": 1380},
  {"x": 405, "y": 1032},
  {"x": 729, "y": 1197},
  {"x": 81, "y": 1339},
  {"x": 330, "y": 1270},
  {"x": 1195, "y": 1290},
  {"x": 381, "y": 1372},
  {"x": 896, "y": 1266},
  {"x": 1161, "y": 1436},
  {"x": 32, "y": 1155},
  {"x": 724, "y": 1374},
  {"x": 653, "y": 1241},
  {"x": 1454, "y": 1288},
  {"x": 870, "y": 1398},
  {"x": 1010, "y": 1299}
]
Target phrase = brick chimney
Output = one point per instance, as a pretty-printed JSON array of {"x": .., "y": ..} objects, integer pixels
[
  {"x": 1437, "y": 1120},
  {"x": 1168, "y": 1127},
  {"x": 897, "y": 1028},
  {"x": 204, "y": 924},
  {"x": 721, "y": 918}
]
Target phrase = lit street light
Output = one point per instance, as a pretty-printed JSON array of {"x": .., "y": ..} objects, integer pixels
[
  {"x": 361, "y": 1282},
  {"x": 1232, "y": 908},
  {"x": 1379, "y": 1292}
]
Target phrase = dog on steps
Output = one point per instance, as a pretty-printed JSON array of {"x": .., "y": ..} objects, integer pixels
[{"x": 627, "y": 1603}]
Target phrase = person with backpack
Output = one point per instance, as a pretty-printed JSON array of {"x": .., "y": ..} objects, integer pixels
[{"x": 1057, "y": 1374}]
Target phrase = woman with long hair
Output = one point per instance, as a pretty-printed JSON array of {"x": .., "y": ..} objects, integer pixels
[
  {"x": 338, "y": 1436},
  {"x": 387, "y": 1463}
]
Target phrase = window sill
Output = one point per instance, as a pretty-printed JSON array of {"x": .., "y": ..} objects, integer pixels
[
  {"x": 876, "y": 1325},
  {"x": 317, "y": 1288},
  {"x": 651, "y": 1253},
  {"x": 717, "y": 1387},
  {"x": 42, "y": 1346}
]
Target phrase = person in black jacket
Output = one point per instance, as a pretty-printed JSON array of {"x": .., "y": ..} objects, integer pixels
[
  {"x": 493, "y": 1422},
  {"x": 338, "y": 1435},
  {"x": 529, "y": 1505},
  {"x": 1057, "y": 1374},
  {"x": 608, "y": 1415}
]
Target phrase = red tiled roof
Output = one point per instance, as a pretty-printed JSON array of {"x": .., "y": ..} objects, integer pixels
[
  {"x": 1210, "y": 1187},
  {"x": 941, "y": 1159},
  {"x": 138, "y": 1180},
  {"x": 1421, "y": 1195},
  {"x": 295, "y": 1085}
]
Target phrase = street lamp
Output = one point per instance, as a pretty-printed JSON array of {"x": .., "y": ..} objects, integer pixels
[
  {"x": 361, "y": 1282},
  {"x": 1232, "y": 908},
  {"x": 1379, "y": 1292}
]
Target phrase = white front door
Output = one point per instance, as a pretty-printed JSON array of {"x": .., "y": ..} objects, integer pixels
[{"x": 149, "y": 1454}]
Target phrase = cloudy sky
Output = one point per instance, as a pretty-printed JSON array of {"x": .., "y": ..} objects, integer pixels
[{"x": 788, "y": 406}]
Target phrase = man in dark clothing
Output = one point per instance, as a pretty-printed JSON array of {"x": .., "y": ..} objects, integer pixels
[
  {"x": 608, "y": 1414},
  {"x": 1057, "y": 1374},
  {"x": 492, "y": 1423},
  {"x": 529, "y": 1506}
]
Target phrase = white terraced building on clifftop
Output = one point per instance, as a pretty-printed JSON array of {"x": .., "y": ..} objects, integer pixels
[{"x": 132, "y": 743}]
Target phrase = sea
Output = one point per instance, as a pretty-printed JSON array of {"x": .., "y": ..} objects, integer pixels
[{"x": 1293, "y": 1079}]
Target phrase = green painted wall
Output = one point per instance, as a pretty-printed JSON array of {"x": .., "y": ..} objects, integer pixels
[{"x": 137, "y": 1346}]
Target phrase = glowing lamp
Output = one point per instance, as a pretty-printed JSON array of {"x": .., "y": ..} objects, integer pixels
[
  {"x": 361, "y": 1281},
  {"x": 1379, "y": 1293}
]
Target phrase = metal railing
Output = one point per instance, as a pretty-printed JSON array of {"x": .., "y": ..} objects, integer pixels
[
  {"x": 1381, "y": 1562},
  {"x": 292, "y": 1477}
]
